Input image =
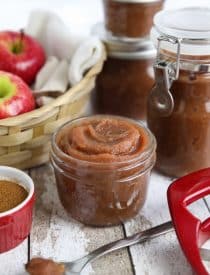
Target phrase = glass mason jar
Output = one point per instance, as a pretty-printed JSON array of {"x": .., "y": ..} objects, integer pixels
[
  {"x": 179, "y": 104},
  {"x": 127, "y": 77},
  {"x": 100, "y": 180},
  {"x": 130, "y": 18}
]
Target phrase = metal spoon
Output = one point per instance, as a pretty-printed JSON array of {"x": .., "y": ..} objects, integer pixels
[{"x": 76, "y": 267}]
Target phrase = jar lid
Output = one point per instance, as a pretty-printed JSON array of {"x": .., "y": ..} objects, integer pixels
[
  {"x": 123, "y": 47},
  {"x": 191, "y": 26}
]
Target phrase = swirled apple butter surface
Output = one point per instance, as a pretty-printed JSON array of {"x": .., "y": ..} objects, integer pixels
[
  {"x": 102, "y": 165},
  {"x": 107, "y": 140},
  {"x": 11, "y": 195}
]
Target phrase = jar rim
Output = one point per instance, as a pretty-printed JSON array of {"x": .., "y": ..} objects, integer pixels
[
  {"x": 124, "y": 47},
  {"x": 145, "y": 154},
  {"x": 144, "y": 55}
]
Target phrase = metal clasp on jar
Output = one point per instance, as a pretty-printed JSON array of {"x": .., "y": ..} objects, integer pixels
[{"x": 166, "y": 71}]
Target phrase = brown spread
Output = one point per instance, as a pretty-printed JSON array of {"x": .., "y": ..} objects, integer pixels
[
  {"x": 106, "y": 140},
  {"x": 40, "y": 266},
  {"x": 123, "y": 86},
  {"x": 183, "y": 138},
  {"x": 99, "y": 163},
  {"x": 130, "y": 19},
  {"x": 11, "y": 195}
]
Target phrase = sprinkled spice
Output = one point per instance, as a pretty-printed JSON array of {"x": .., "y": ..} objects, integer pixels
[{"x": 11, "y": 194}]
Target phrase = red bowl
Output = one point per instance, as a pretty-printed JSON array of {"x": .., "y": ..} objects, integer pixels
[{"x": 15, "y": 224}]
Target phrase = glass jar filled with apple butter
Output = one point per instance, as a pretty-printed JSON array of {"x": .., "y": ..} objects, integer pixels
[
  {"x": 102, "y": 166},
  {"x": 130, "y": 18},
  {"x": 179, "y": 104},
  {"x": 127, "y": 77}
]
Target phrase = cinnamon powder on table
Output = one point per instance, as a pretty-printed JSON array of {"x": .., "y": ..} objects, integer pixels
[{"x": 11, "y": 195}]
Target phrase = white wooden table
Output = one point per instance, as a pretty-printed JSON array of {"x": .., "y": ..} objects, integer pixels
[
  {"x": 57, "y": 236},
  {"x": 54, "y": 233}
]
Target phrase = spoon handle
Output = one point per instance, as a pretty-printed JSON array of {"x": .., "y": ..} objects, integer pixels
[{"x": 134, "y": 239}]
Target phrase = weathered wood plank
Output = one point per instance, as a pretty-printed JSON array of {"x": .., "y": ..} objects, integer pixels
[
  {"x": 162, "y": 255},
  {"x": 207, "y": 201},
  {"x": 207, "y": 244},
  {"x": 12, "y": 262},
  {"x": 57, "y": 236}
]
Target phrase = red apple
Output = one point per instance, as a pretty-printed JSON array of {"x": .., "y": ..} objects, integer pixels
[
  {"x": 15, "y": 96},
  {"x": 20, "y": 54}
]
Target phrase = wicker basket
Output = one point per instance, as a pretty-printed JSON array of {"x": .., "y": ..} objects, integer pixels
[{"x": 25, "y": 139}]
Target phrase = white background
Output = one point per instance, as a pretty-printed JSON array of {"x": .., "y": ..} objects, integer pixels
[{"x": 79, "y": 15}]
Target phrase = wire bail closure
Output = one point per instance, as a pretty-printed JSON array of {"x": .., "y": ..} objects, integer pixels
[{"x": 166, "y": 71}]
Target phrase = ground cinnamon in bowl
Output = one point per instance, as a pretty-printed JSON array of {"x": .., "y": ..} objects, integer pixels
[{"x": 11, "y": 195}]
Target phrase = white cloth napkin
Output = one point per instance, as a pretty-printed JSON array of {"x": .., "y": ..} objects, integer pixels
[
  {"x": 86, "y": 56},
  {"x": 46, "y": 71},
  {"x": 56, "y": 38},
  {"x": 70, "y": 56},
  {"x": 53, "y": 76}
]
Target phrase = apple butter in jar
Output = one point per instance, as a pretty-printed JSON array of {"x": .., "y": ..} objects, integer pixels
[
  {"x": 179, "y": 104},
  {"x": 102, "y": 166},
  {"x": 127, "y": 77},
  {"x": 130, "y": 18}
]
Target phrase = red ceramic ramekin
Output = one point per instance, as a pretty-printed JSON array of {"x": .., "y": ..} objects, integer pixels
[{"x": 15, "y": 224}]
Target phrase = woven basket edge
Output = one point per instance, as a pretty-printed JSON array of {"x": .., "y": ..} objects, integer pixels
[{"x": 23, "y": 118}]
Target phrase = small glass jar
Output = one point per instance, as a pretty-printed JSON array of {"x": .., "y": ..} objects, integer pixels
[
  {"x": 127, "y": 77},
  {"x": 130, "y": 18},
  {"x": 96, "y": 186},
  {"x": 179, "y": 105}
]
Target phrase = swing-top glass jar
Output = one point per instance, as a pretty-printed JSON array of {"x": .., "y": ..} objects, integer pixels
[{"x": 179, "y": 104}]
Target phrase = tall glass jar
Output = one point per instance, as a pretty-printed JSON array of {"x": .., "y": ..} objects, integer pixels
[
  {"x": 130, "y": 18},
  {"x": 179, "y": 104},
  {"x": 127, "y": 77}
]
